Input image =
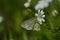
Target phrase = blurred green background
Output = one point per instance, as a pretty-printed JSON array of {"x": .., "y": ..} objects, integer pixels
[{"x": 14, "y": 13}]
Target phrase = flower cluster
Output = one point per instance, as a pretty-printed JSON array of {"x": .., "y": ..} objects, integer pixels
[{"x": 42, "y": 4}]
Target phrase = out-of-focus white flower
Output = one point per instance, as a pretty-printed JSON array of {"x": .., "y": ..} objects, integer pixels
[
  {"x": 39, "y": 6},
  {"x": 36, "y": 27},
  {"x": 1, "y": 19},
  {"x": 54, "y": 12},
  {"x": 27, "y": 4},
  {"x": 42, "y": 4},
  {"x": 40, "y": 16}
]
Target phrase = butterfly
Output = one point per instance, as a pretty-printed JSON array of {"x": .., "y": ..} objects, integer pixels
[{"x": 29, "y": 24}]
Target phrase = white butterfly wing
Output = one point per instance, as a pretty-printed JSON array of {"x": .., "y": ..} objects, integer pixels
[{"x": 28, "y": 24}]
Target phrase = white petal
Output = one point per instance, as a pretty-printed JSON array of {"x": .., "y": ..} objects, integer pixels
[
  {"x": 43, "y": 20},
  {"x": 39, "y": 11},
  {"x": 36, "y": 14},
  {"x": 42, "y": 12},
  {"x": 43, "y": 16}
]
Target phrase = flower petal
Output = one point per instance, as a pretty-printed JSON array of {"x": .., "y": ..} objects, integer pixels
[
  {"x": 43, "y": 20},
  {"x": 42, "y": 12},
  {"x": 36, "y": 14},
  {"x": 43, "y": 16},
  {"x": 39, "y": 11}
]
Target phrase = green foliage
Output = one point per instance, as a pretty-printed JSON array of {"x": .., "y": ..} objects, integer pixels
[{"x": 14, "y": 13}]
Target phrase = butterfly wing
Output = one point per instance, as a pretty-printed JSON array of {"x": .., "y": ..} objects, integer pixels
[{"x": 28, "y": 24}]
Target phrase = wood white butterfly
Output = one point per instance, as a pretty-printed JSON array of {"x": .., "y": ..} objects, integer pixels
[
  {"x": 31, "y": 25},
  {"x": 28, "y": 24}
]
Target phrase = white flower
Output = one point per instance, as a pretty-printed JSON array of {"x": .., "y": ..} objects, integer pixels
[
  {"x": 41, "y": 5},
  {"x": 54, "y": 12},
  {"x": 44, "y": 3},
  {"x": 40, "y": 16},
  {"x": 1, "y": 19},
  {"x": 26, "y": 4}
]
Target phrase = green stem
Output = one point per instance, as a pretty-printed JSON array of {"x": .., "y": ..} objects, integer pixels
[
  {"x": 5, "y": 37},
  {"x": 10, "y": 35},
  {"x": 25, "y": 36}
]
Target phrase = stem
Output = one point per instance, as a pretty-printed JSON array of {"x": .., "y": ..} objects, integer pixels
[
  {"x": 25, "y": 36},
  {"x": 5, "y": 37}
]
